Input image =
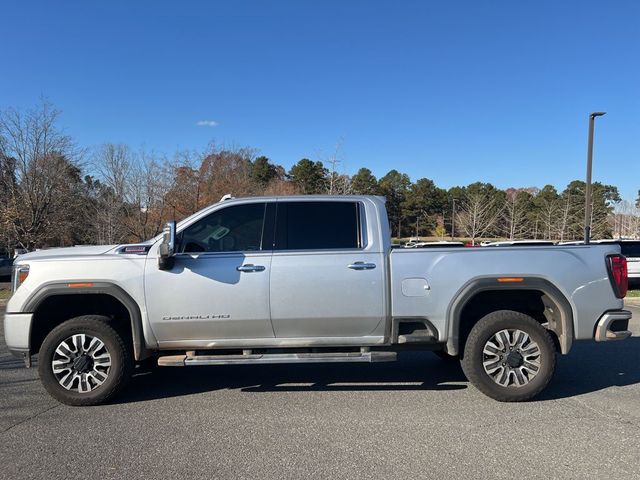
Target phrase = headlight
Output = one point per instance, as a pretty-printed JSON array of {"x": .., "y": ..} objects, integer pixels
[{"x": 20, "y": 274}]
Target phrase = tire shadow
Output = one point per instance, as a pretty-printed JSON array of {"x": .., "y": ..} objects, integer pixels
[
  {"x": 588, "y": 368},
  {"x": 591, "y": 366},
  {"x": 413, "y": 371}
]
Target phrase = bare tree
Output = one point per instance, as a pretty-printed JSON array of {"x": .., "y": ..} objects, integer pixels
[
  {"x": 114, "y": 165},
  {"x": 186, "y": 194},
  {"x": 565, "y": 220},
  {"x": 626, "y": 221},
  {"x": 134, "y": 205},
  {"x": 337, "y": 183},
  {"x": 477, "y": 215},
  {"x": 549, "y": 211},
  {"x": 515, "y": 214},
  {"x": 151, "y": 180},
  {"x": 39, "y": 163},
  {"x": 570, "y": 219}
]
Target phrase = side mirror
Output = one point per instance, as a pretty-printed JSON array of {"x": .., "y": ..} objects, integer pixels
[{"x": 167, "y": 247}]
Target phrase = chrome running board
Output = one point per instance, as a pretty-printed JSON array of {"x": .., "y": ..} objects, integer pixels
[{"x": 273, "y": 358}]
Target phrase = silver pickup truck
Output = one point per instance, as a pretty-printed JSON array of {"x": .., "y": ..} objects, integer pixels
[{"x": 307, "y": 279}]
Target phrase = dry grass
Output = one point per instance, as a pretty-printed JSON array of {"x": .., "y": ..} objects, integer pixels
[{"x": 5, "y": 293}]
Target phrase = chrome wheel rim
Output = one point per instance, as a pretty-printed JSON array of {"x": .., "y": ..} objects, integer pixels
[
  {"x": 511, "y": 358},
  {"x": 81, "y": 363}
]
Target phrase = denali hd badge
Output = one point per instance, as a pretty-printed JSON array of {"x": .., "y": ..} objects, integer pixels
[{"x": 197, "y": 317}]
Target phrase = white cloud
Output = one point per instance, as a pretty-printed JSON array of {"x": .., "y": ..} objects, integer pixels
[{"x": 207, "y": 123}]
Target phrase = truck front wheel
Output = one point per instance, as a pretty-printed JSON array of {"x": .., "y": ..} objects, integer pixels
[
  {"x": 509, "y": 356},
  {"x": 84, "y": 361}
]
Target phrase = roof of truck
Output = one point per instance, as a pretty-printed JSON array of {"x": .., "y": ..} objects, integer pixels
[{"x": 228, "y": 197}]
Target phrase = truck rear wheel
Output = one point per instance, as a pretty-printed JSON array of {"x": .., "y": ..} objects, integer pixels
[
  {"x": 509, "y": 356},
  {"x": 84, "y": 361}
]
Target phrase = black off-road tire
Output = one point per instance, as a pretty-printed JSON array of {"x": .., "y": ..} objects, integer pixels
[
  {"x": 118, "y": 374},
  {"x": 483, "y": 331}
]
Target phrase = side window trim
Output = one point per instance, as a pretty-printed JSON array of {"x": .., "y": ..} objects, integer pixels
[
  {"x": 268, "y": 239},
  {"x": 363, "y": 240}
]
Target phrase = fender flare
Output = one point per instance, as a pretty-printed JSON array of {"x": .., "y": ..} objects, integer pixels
[
  {"x": 97, "y": 288},
  {"x": 484, "y": 284}
]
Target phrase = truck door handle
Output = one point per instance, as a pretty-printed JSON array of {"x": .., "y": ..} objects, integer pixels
[
  {"x": 249, "y": 267},
  {"x": 362, "y": 266}
]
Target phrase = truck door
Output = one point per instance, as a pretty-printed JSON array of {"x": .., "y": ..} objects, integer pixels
[
  {"x": 218, "y": 287},
  {"x": 325, "y": 281}
]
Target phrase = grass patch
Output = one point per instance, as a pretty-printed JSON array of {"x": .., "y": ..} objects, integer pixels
[
  {"x": 5, "y": 293},
  {"x": 633, "y": 294}
]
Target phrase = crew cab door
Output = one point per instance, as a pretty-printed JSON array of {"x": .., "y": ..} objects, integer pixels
[
  {"x": 218, "y": 287},
  {"x": 324, "y": 281}
]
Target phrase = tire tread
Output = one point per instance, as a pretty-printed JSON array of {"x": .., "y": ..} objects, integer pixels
[
  {"x": 122, "y": 356},
  {"x": 476, "y": 375}
]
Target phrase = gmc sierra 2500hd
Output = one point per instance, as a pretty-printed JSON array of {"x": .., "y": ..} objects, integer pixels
[{"x": 307, "y": 279}]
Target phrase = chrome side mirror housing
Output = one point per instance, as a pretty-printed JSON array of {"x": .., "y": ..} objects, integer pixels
[{"x": 167, "y": 247}]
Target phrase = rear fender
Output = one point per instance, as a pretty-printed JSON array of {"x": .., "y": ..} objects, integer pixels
[{"x": 561, "y": 321}]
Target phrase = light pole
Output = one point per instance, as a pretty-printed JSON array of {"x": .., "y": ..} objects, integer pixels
[{"x": 587, "y": 193}]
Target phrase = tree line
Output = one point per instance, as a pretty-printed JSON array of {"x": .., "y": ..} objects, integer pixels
[{"x": 53, "y": 193}]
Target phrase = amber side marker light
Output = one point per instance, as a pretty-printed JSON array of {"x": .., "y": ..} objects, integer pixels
[
  {"x": 511, "y": 280},
  {"x": 80, "y": 285}
]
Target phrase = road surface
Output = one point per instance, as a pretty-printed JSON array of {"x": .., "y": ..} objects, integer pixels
[{"x": 416, "y": 418}]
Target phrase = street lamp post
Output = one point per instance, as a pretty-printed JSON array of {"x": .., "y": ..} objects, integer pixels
[{"x": 587, "y": 193}]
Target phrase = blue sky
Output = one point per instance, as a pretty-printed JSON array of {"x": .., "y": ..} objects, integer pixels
[{"x": 455, "y": 91}]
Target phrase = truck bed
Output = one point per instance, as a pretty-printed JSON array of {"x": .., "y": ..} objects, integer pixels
[{"x": 426, "y": 282}]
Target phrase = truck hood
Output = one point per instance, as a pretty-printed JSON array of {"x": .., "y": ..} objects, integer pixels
[{"x": 80, "y": 251}]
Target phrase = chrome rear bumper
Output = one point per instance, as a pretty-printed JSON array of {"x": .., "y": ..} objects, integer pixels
[{"x": 613, "y": 326}]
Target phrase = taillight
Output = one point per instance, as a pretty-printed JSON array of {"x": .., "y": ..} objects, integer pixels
[{"x": 617, "y": 266}]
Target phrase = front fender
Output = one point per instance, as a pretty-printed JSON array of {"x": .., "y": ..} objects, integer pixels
[{"x": 95, "y": 288}]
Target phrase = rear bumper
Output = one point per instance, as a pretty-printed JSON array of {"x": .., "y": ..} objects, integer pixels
[
  {"x": 613, "y": 326},
  {"x": 17, "y": 329}
]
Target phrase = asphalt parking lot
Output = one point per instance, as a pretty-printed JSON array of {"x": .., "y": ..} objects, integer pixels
[{"x": 416, "y": 418}]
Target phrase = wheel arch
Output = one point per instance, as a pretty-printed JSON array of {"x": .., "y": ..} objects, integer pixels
[
  {"x": 556, "y": 308},
  {"x": 95, "y": 294}
]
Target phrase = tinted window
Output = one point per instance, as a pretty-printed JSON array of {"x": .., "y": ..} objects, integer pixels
[
  {"x": 630, "y": 249},
  {"x": 232, "y": 229},
  {"x": 317, "y": 225}
]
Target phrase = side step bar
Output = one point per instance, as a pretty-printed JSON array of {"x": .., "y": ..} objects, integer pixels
[{"x": 272, "y": 358}]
